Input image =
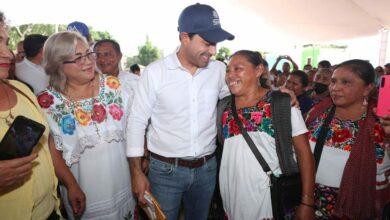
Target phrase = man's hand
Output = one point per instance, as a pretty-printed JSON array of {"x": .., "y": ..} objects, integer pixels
[
  {"x": 76, "y": 199},
  {"x": 139, "y": 181},
  {"x": 15, "y": 171}
]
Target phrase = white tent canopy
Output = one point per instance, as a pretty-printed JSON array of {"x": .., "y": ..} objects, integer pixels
[
  {"x": 316, "y": 21},
  {"x": 323, "y": 20}
]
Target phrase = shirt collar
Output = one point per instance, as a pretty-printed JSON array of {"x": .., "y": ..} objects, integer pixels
[{"x": 173, "y": 61}]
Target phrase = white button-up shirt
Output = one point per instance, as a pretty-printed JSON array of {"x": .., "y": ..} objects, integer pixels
[
  {"x": 32, "y": 74},
  {"x": 181, "y": 107}
]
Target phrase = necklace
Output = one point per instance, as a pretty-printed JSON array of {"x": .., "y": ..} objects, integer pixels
[
  {"x": 74, "y": 105},
  {"x": 9, "y": 118}
]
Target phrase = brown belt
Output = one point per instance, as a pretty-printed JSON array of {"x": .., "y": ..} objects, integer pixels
[{"x": 181, "y": 162}]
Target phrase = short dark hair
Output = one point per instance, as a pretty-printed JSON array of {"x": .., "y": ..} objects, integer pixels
[
  {"x": 114, "y": 44},
  {"x": 361, "y": 68},
  {"x": 33, "y": 44},
  {"x": 302, "y": 77},
  {"x": 134, "y": 68},
  {"x": 387, "y": 65},
  {"x": 265, "y": 63},
  {"x": 324, "y": 64}
]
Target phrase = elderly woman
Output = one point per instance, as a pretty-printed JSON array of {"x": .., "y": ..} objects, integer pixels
[
  {"x": 352, "y": 180},
  {"x": 28, "y": 184},
  {"x": 86, "y": 112},
  {"x": 244, "y": 185}
]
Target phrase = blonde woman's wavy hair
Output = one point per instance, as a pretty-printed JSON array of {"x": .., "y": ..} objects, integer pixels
[{"x": 58, "y": 48}]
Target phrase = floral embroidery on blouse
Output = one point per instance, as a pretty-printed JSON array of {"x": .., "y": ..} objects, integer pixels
[
  {"x": 68, "y": 114},
  {"x": 255, "y": 118},
  {"x": 342, "y": 134}
]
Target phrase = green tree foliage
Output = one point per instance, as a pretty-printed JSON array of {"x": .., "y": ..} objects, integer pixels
[
  {"x": 18, "y": 33},
  {"x": 148, "y": 53},
  {"x": 223, "y": 54},
  {"x": 98, "y": 35},
  {"x": 131, "y": 60}
]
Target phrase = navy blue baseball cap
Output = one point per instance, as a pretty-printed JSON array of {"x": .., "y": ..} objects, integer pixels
[
  {"x": 203, "y": 20},
  {"x": 79, "y": 27}
]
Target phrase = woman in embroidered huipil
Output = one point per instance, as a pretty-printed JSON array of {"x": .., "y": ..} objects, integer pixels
[
  {"x": 244, "y": 186},
  {"x": 352, "y": 180},
  {"x": 87, "y": 112}
]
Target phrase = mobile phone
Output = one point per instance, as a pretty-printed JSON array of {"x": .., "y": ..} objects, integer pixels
[
  {"x": 21, "y": 138},
  {"x": 383, "y": 107}
]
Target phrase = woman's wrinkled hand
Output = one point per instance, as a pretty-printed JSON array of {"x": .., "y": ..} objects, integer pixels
[
  {"x": 76, "y": 199},
  {"x": 14, "y": 172},
  {"x": 294, "y": 100}
]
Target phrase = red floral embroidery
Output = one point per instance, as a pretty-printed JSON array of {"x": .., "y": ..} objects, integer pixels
[
  {"x": 233, "y": 128},
  {"x": 224, "y": 117},
  {"x": 379, "y": 134},
  {"x": 99, "y": 113},
  {"x": 347, "y": 147},
  {"x": 341, "y": 135},
  {"x": 45, "y": 100},
  {"x": 256, "y": 117},
  {"x": 267, "y": 110}
]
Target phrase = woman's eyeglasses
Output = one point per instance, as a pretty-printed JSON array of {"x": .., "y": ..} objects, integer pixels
[{"x": 79, "y": 61}]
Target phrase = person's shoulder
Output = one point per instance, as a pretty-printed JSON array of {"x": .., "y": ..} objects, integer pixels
[
  {"x": 156, "y": 66},
  {"x": 22, "y": 87},
  {"x": 21, "y": 67},
  {"x": 21, "y": 63}
]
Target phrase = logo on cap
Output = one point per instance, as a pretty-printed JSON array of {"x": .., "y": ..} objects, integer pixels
[{"x": 216, "y": 21}]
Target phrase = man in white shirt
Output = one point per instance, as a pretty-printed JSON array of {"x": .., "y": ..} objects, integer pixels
[
  {"x": 109, "y": 55},
  {"x": 179, "y": 94},
  {"x": 30, "y": 70}
]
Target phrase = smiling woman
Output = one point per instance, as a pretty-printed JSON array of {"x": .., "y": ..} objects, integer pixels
[
  {"x": 86, "y": 111},
  {"x": 244, "y": 186}
]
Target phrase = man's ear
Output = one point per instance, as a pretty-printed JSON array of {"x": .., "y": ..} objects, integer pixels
[{"x": 184, "y": 37}]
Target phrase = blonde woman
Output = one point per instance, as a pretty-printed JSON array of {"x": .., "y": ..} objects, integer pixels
[{"x": 86, "y": 112}]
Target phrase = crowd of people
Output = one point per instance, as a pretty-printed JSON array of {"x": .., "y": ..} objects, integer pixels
[{"x": 112, "y": 135}]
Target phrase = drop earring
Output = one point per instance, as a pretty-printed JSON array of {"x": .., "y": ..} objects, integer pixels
[{"x": 365, "y": 102}]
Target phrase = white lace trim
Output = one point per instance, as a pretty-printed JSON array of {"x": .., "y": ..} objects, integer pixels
[{"x": 73, "y": 155}]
